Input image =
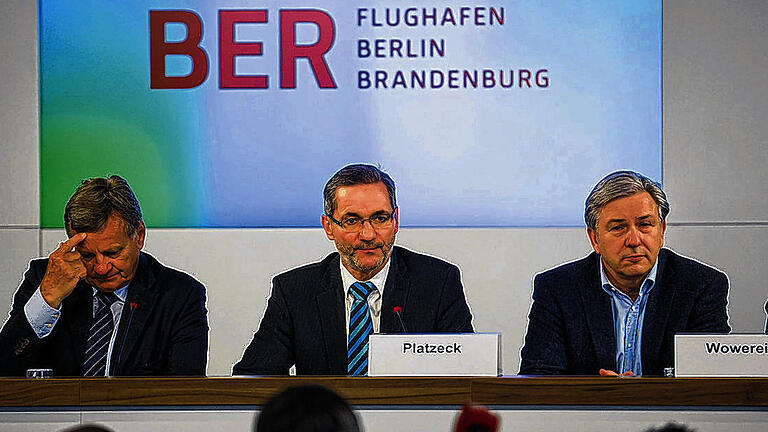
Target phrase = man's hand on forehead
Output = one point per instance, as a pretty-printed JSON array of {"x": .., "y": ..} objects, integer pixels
[{"x": 65, "y": 270}]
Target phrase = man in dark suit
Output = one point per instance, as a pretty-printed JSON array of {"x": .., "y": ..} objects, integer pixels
[
  {"x": 98, "y": 306},
  {"x": 319, "y": 316},
  {"x": 616, "y": 312}
]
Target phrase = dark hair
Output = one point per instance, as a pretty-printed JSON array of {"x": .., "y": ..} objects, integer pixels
[
  {"x": 308, "y": 408},
  {"x": 622, "y": 184},
  {"x": 671, "y": 427},
  {"x": 94, "y": 201},
  {"x": 352, "y": 175},
  {"x": 89, "y": 427}
]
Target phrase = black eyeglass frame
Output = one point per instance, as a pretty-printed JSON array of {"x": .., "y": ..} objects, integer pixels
[{"x": 359, "y": 225}]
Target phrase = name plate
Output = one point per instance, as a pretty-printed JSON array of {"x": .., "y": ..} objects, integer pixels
[
  {"x": 466, "y": 354},
  {"x": 734, "y": 355}
]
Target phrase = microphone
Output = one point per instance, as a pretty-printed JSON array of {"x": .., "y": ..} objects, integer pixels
[
  {"x": 398, "y": 311},
  {"x": 133, "y": 307},
  {"x": 766, "y": 317}
]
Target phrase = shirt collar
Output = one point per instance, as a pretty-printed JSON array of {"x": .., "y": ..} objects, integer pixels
[
  {"x": 121, "y": 293},
  {"x": 378, "y": 280},
  {"x": 645, "y": 286}
]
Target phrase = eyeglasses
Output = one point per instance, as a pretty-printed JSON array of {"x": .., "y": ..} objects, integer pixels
[{"x": 354, "y": 223}]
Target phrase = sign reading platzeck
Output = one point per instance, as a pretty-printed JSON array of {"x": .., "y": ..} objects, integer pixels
[
  {"x": 435, "y": 355},
  {"x": 736, "y": 355}
]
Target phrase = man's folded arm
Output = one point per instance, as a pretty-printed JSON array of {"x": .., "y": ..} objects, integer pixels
[
  {"x": 189, "y": 344},
  {"x": 544, "y": 350},
  {"x": 21, "y": 344},
  {"x": 271, "y": 349},
  {"x": 710, "y": 312},
  {"x": 455, "y": 316}
]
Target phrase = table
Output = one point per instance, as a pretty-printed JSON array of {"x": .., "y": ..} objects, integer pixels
[{"x": 407, "y": 403}]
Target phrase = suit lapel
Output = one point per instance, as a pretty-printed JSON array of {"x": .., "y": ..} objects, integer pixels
[
  {"x": 81, "y": 310},
  {"x": 138, "y": 306},
  {"x": 599, "y": 315},
  {"x": 396, "y": 291},
  {"x": 657, "y": 310},
  {"x": 331, "y": 310}
]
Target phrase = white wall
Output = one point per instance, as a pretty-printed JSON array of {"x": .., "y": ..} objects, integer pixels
[
  {"x": 411, "y": 419},
  {"x": 715, "y": 101},
  {"x": 715, "y": 106},
  {"x": 19, "y": 186}
]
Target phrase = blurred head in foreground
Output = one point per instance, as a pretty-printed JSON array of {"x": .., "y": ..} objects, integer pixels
[
  {"x": 476, "y": 419},
  {"x": 91, "y": 427},
  {"x": 671, "y": 427},
  {"x": 307, "y": 408}
]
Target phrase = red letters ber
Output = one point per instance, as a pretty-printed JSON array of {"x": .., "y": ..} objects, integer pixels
[{"x": 229, "y": 49}]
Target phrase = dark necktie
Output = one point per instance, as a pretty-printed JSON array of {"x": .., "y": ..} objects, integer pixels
[
  {"x": 98, "y": 338},
  {"x": 360, "y": 327}
]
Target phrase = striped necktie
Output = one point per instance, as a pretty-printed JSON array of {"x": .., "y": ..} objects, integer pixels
[
  {"x": 360, "y": 327},
  {"x": 99, "y": 336}
]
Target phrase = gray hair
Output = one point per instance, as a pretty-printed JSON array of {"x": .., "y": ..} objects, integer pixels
[
  {"x": 352, "y": 175},
  {"x": 95, "y": 199},
  {"x": 621, "y": 184}
]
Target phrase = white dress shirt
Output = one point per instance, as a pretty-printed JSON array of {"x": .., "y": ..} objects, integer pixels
[{"x": 374, "y": 298}]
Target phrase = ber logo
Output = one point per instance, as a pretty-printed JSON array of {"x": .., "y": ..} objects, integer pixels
[{"x": 289, "y": 49}]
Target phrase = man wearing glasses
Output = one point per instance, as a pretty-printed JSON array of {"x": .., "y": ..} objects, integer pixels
[{"x": 320, "y": 315}]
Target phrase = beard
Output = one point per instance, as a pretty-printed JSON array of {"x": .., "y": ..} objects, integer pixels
[{"x": 351, "y": 261}]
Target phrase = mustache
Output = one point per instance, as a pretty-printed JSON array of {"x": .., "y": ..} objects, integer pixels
[
  {"x": 370, "y": 245},
  {"x": 635, "y": 252}
]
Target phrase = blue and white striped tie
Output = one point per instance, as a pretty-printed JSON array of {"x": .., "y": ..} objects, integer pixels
[
  {"x": 360, "y": 327},
  {"x": 99, "y": 336}
]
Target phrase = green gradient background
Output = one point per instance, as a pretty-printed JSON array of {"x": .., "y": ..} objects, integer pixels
[{"x": 99, "y": 117}]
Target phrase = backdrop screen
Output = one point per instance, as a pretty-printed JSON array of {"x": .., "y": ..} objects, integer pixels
[{"x": 235, "y": 113}]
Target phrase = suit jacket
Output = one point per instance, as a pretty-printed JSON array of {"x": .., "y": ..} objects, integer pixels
[
  {"x": 571, "y": 327},
  {"x": 305, "y": 320},
  {"x": 165, "y": 333}
]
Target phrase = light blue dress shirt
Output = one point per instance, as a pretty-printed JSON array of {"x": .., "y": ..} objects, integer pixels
[
  {"x": 628, "y": 321},
  {"x": 43, "y": 318}
]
